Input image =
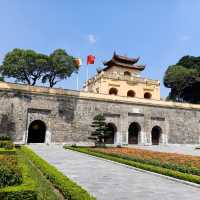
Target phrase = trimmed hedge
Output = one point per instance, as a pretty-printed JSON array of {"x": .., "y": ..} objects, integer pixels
[
  {"x": 68, "y": 188},
  {"x": 7, "y": 144},
  {"x": 144, "y": 166},
  {"x": 18, "y": 193},
  {"x": 7, "y": 151},
  {"x": 5, "y": 138},
  {"x": 24, "y": 191},
  {"x": 10, "y": 173}
]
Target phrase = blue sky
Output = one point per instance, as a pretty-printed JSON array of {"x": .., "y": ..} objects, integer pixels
[{"x": 158, "y": 31}]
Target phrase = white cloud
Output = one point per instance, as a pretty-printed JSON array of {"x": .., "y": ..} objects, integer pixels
[
  {"x": 185, "y": 37},
  {"x": 91, "y": 39}
]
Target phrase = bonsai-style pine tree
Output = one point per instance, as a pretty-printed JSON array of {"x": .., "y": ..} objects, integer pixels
[{"x": 101, "y": 130}]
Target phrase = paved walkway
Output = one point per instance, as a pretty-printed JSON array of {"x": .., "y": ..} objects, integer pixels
[
  {"x": 111, "y": 181},
  {"x": 173, "y": 148}
]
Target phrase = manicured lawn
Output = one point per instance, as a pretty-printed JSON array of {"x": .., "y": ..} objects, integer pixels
[
  {"x": 43, "y": 187},
  {"x": 148, "y": 161},
  {"x": 24, "y": 175},
  {"x": 20, "y": 179},
  {"x": 16, "y": 181},
  {"x": 69, "y": 189},
  {"x": 16, "y": 176}
]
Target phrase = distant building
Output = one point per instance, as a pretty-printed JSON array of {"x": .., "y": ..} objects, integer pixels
[{"x": 121, "y": 76}]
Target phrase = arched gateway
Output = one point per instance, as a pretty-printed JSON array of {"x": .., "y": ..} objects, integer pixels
[
  {"x": 156, "y": 135},
  {"x": 36, "y": 132},
  {"x": 134, "y": 133},
  {"x": 113, "y": 130}
]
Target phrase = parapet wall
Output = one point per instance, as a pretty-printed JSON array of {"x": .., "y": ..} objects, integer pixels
[
  {"x": 68, "y": 115},
  {"x": 101, "y": 97}
]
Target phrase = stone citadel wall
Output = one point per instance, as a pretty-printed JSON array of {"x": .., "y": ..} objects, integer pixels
[{"x": 68, "y": 114}]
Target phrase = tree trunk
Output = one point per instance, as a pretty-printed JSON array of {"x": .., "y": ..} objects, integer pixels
[
  {"x": 51, "y": 81},
  {"x": 34, "y": 81}
]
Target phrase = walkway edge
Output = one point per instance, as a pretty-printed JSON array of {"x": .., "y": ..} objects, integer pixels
[
  {"x": 69, "y": 188},
  {"x": 140, "y": 170}
]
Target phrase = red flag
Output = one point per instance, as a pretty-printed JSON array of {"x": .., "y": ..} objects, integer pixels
[{"x": 90, "y": 59}]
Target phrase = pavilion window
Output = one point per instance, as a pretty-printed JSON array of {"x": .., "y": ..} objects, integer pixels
[
  {"x": 147, "y": 95},
  {"x": 130, "y": 93},
  {"x": 113, "y": 91},
  {"x": 127, "y": 73}
]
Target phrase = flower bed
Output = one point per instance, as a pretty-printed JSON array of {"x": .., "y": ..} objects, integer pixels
[
  {"x": 185, "y": 160},
  {"x": 178, "y": 162}
]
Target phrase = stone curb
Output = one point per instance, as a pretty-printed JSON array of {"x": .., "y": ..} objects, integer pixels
[{"x": 142, "y": 170}]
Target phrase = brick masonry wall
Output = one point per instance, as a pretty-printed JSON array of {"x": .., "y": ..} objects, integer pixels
[{"x": 68, "y": 118}]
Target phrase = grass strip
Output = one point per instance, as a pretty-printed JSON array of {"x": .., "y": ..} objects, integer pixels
[
  {"x": 148, "y": 167},
  {"x": 67, "y": 187}
]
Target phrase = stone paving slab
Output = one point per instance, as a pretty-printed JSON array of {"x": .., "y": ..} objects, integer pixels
[{"x": 111, "y": 181}]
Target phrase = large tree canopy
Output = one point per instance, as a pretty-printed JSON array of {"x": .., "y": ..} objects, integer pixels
[
  {"x": 183, "y": 79},
  {"x": 28, "y": 66},
  {"x": 25, "y": 66},
  {"x": 60, "y": 66}
]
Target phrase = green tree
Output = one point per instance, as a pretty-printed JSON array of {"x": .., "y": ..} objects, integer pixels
[
  {"x": 184, "y": 80},
  {"x": 101, "y": 131},
  {"x": 60, "y": 66},
  {"x": 190, "y": 62},
  {"x": 26, "y": 66},
  {"x": 1, "y": 78}
]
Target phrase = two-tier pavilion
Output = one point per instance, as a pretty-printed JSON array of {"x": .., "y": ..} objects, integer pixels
[{"x": 122, "y": 76}]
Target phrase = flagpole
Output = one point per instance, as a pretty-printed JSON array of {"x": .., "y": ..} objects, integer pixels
[
  {"x": 87, "y": 73},
  {"x": 77, "y": 81},
  {"x": 78, "y": 63}
]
